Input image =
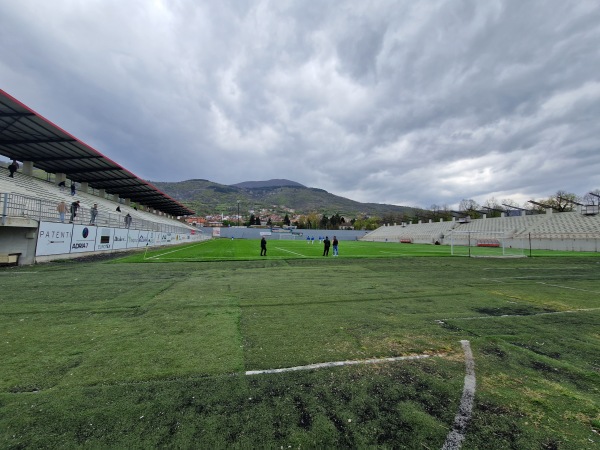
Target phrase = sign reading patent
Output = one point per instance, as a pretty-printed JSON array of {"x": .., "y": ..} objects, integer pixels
[
  {"x": 54, "y": 238},
  {"x": 84, "y": 239},
  {"x": 62, "y": 238}
]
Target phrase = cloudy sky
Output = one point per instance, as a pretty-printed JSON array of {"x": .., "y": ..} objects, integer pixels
[{"x": 392, "y": 101}]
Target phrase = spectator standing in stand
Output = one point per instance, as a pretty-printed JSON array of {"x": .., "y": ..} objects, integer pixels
[
  {"x": 128, "y": 220},
  {"x": 13, "y": 167},
  {"x": 93, "y": 214},
  {"x": 73, "y": 188},
  {"x": 62, "y": 210},
  {"x": 73, "y": 210}
]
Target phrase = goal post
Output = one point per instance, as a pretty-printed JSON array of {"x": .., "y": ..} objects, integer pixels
[
  {"x": 493, "y": 244},
  {"x": 285, "y": 236}
]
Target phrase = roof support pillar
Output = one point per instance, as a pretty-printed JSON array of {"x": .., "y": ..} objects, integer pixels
[
  {"x": 60, "y": 177},
  {"x": 127, "y": 202},
  {"x": 102, "y": 193},
  {"x": 28, "y": 168},
  {"x": 84, "y": 187}
]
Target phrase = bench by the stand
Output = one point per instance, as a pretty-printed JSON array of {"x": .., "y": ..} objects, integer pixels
[{"x": 9, "y": 258}]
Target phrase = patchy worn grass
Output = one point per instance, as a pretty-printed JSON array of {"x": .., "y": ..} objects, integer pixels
[
  {"x": 245, "y": 249},
  {"x": 153, "y": 355}
]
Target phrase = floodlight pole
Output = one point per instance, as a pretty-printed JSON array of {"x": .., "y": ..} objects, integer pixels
[
  {"x": 469, "y": 235},
  {"x": 238, "y": 214},
  {"x": 530, "y": 245}
]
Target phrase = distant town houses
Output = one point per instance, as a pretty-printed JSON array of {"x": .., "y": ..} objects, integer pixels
[{"x": 260, "y": 218}]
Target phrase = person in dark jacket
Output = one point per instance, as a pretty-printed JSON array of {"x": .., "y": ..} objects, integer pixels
[
  {"x": 326, "y": 245},
  {"x": 73, "y": 209},
  {"x": 263, "y": 247},
  {"x": 335, "y": 246},
  {"x": 12, "y": 168}
]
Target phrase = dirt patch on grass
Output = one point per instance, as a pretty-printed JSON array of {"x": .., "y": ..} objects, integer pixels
[
  {"x": 494, "y": 350},
  {"x": 514, "y": 310}
]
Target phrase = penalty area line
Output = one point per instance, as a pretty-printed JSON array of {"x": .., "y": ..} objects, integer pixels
[
  {"x": 289, "y": 251},
  {"x": 503, "y": 316},
  {"x": 15, "y": 273},
  {"x": 176, "y": 250},
  {"x": 336, "y": 364},
  {"x": 567, "y": 287},
  {"x": 455, "y": 438}
]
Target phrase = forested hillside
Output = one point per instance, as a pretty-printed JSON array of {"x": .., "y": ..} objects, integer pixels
[{"x": 206, "y": 197}]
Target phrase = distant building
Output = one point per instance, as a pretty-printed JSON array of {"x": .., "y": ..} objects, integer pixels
[{"x": 196, "y": 221}]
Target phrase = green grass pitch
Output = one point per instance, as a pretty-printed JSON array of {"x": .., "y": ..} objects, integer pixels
[{"x": 150, "y": 350}]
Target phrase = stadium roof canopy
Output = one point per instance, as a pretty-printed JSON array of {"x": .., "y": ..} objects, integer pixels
[{"x": 27, "y": 136}]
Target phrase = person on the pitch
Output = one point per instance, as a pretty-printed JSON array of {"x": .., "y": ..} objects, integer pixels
[
  {"x": 263, "y": 247},
  {"x": 326, "y": 245}
]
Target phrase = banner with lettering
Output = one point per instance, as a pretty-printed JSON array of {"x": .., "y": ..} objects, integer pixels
[
  {"x": 54, "y": 238},
  {"x": 84, "y": 239}
]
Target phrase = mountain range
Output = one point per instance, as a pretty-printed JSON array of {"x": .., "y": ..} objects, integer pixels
[{"x": 278, "y": 195}]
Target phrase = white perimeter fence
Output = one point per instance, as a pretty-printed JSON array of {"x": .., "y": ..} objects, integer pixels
[{"x": 17, "y": 205}]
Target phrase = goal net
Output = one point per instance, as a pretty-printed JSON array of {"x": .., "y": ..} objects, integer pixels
[
  {"x": 285, "y": 236},
  {"x": 486, "y": 244}
]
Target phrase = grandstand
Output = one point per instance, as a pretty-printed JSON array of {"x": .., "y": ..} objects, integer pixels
[
  {"x": 37, "y": 199},
  {"x": 575, "y": 230},
  {"x": 421, "y": 233},
  {"x": 29, "y": 204}
]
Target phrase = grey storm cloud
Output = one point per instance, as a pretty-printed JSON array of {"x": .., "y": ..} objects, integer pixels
[{"x": 404, "y": 102}]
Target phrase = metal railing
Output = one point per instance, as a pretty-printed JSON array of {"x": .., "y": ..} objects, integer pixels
[{"x": 17, "y": 205}]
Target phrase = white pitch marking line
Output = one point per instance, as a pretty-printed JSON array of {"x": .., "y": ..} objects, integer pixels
[
  {"x": 495, "y": 280},
  {"x": 520, "y": 315},
  {"x": 15, "y": 273},
  {"x": 455, "y": 438},
  {"x": 528, "y": 277},
  {"x": 506, "y": 279},
  {"x": 530, "y": 268},
  {"x": 289, "y": 251},
  {"x": 176, "y": 250},
  {"x": 567, "y": 287},
  {"x": 335, "y": 364}
]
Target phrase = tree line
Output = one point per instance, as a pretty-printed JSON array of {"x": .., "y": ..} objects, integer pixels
[{"x": 561, "y": 201}]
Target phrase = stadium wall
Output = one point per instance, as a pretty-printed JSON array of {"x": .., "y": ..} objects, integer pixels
[
  {"x": 569, "y": 244},
  {"x": 565, "y": 231},
  {"x": 18, "y": 237},
  {"x": 255, "y": 233},
  {"x": 37, "y": 242}
]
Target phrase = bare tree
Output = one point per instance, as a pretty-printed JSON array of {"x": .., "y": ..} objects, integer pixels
[
  {"x": 563, "y": 201},
  {"x": 469, "y": 207},
  {"x": 590, "y": 199},
  {"x": 493, "y": 207}
]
